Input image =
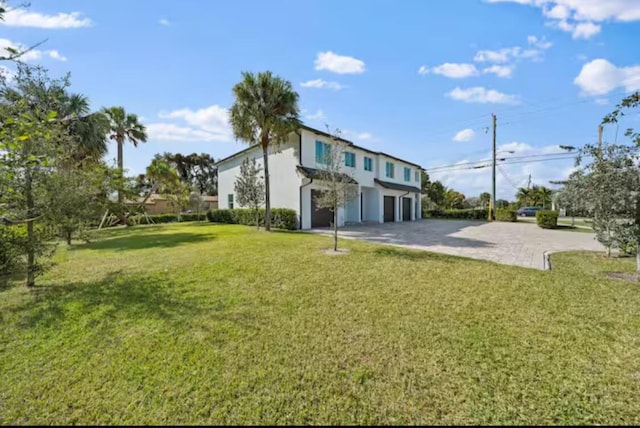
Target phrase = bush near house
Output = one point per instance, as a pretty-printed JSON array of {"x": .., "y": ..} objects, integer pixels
[
  {"x": 467, "y": 214},
  {"x": 166, "y": 218},
  {"x": 547, "y": 219},
  {"x": 506, "y": 214},
  {"x": 281, "y": 218}
]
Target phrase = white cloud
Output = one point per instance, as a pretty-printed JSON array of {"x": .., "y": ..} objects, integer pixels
[
  {"x": 451, "y": 70},
  {"x": 601, "y": 101},
  {"x": 499, "y": 70},
  {"x": 472, "y": 182},
  {"x": 481, "y": 95},
  {"x": 31, "y": 55},
  {"x": 357, "y": 136},
  {"x": 534, "y": 52},
  {"x": 322, "y": 84},
  {"x": 206, "y": 124},
  {"x": 20, "y": 17},
  {"x": 339, "y": 63},
  {"x": 581, "y": 18},
  {"x": 599, "y": 77},
  {"x": 464, "y": 135},
  {"x": 318, "y": 115},
  {"x": 164, "y": 22}
]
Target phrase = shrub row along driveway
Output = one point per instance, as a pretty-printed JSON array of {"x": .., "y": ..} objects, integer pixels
[{"x": 519, "y": 244}]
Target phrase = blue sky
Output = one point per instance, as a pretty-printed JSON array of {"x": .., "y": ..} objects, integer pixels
[{"x": 419, "y": 80}]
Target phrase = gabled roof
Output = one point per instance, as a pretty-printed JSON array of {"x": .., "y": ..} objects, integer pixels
[
  {"x": 396, "y": 186},
  {"x": 317, "y": 174}
]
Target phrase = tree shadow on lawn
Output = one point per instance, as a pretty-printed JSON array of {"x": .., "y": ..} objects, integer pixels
[
  {"x": 117, "y": 295},
  {"x": 143, "y": 241}
]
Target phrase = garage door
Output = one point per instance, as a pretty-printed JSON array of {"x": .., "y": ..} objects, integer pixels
[
  {"x": 406, "y": 209},
  {"x": 389, "y": 209},
  {"x": 320, "y": 217}
]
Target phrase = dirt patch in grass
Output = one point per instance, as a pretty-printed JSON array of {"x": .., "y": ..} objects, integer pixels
[
  {"x": 339, "y": 252},
  {"x": 633, "y": 277}
]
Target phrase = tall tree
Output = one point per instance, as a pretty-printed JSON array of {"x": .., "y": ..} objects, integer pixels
[
  {"x": 338, "y": 187},
  {"x": 249, "y": 187},
  {"x": 436, "y": 193},
  {"x": 195, "y": 170},
  {"x": 123, "y": 127},
  {"x": 524, "y": 196},
  {"x": 265, "y": 112},
  {"x": 544, "y": 196},
  {"x": 485, "y": 198},
  {"x": 453, "y": 199}
]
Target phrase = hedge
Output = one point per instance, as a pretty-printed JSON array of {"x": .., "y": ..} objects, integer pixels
[
  {"x": 505, "y": 214},
  {"x": 468, "y": 214},
  {"x": 165, "y": 218},
  {"x": 281, "y": 218},
  {"x": 547, "y": 219}
]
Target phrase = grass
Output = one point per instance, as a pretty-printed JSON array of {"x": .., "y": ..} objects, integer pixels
[{"x": 208, "y": 324}]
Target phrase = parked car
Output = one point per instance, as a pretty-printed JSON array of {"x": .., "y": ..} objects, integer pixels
[{"x": 528, "y": 211}]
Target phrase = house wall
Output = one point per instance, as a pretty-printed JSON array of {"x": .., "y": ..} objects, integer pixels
[{"x": 285, "y": 181}]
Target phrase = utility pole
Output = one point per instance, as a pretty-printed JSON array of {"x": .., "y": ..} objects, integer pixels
[
  {"x": 493, "y": 193},
  {"x": 600, "y": 141}
]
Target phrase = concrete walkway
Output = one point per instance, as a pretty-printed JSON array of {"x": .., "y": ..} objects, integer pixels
[{"x": 519, "y": 244}]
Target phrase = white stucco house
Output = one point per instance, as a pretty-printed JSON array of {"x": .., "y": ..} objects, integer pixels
[{"x": 388, "y": 187}]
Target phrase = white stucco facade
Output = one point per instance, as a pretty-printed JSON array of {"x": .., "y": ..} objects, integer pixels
[{"x": 291, "y": 188}]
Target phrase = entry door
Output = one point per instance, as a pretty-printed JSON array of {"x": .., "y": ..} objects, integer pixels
[
  {"x": 389, "y": 209},
  {"x": 320, "y": 217},
  {"x": 406, "y": 209}
]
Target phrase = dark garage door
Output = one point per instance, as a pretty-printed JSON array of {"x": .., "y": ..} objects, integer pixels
[
  {"x": 406, "y": 209},
  {"x": 320, "y": 217},
  {"x": 389, "y": 208}
]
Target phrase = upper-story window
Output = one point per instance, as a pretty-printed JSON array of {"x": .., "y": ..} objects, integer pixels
[
  {"x": 407, "y": 174},
  {"x": 368, "y": 164},
  {"x": 350, "y": 159},
  {"x": 323, "y": 152},
  {"x": 417, "y": 176},
  {"x": 389, "y": 169},
  {"x": 230, "y": 200}
]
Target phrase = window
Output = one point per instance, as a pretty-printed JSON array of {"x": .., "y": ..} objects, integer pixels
[
  {"x": 230, "y": 200},
  {"x": 417, "y": 176},
  {"x": 323, "y": 151},
  {"x": 368, "y": 164},
  {"x": 389, "y": 170},
  {"x": 407, "y": 174},
  {"x": 350, "y": 159}
]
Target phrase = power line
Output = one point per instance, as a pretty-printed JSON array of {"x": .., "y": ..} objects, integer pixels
[{"x": 472, "y": 163}]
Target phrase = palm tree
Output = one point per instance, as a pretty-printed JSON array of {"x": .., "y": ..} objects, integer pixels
[
  {"x": 159, "y": 172},
  {"x": 265, "y": 112},
  {"x": 485, "y": 198},
  {"x": 122, "y": 127},
  {"x": 89, "y": 130},
  {"x": 544, "y": 195},
  {"x": 523, "y": 196}
]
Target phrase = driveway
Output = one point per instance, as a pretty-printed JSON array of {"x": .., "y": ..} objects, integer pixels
[{"x": 519, "y": 244}]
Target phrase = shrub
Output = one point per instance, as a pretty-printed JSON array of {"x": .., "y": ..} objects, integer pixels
[
  {"x": 505, "y": 214},
  {"x": 281, "y": 218},
  {"x": 12, "y": 240},
  {"x": 165, "y": 218},
  {"x": 469, "y": 214},
  {"x": 547, "y": 219},
  {"x": 625, "y": 237}
]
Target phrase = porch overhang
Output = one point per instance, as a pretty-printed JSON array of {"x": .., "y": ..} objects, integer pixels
[
  {"x": 316, "y": 174},
  {"x": 396, "y": 186}
]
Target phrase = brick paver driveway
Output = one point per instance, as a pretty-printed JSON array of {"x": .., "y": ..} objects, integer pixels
[{"x": 520, "y": 244}]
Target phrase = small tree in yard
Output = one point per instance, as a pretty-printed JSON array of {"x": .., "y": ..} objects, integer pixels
[
  {"x": 196, "y": 201},
  {"x": 339, "y": 188},
  {"x": 249, "y": 187}
]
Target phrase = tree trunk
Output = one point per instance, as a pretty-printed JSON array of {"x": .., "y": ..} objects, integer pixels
[
  {"x": 267, "y": 196},
  {"x": 120, "y": 143},
  {"x": 335, "y": 230},
  {"x": 258, "y": 218},
  {"x": 31, "y": 256}
]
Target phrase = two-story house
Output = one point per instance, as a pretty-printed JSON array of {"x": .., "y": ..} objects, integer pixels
[{"x": 388, "y": 187}]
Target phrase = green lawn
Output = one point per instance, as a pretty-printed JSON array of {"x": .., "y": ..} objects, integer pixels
[{"x": 208, "y": 324}]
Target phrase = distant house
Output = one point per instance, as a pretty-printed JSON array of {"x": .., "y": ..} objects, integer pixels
[
  {"x": 158, "y": 204},
  {"x": 388, "y": 187}
]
